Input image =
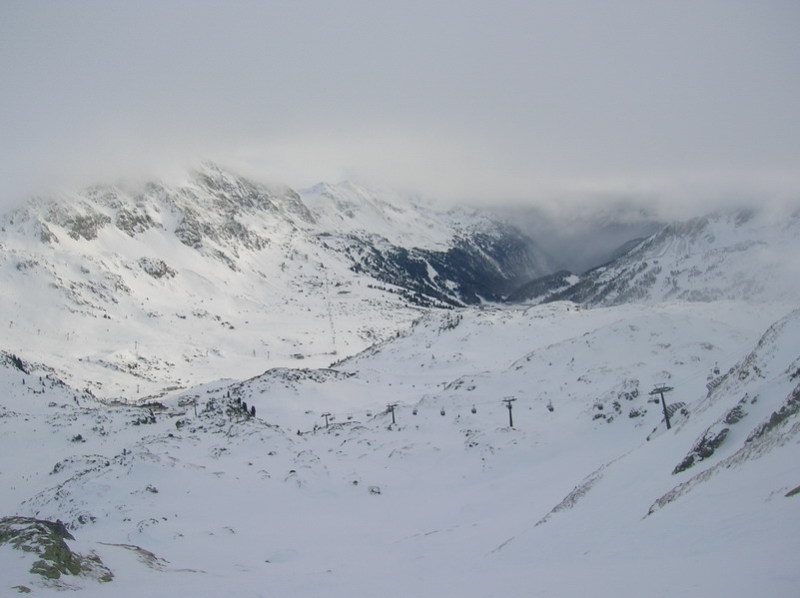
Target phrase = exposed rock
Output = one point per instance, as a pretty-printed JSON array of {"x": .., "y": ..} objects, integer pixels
[
  {"x": 790, "y": 408},
  {"x": 703, "y": 448},
  {"x": 156, "y": 268},
  {"x": 133, "y": 222},
  {"x": 86, "y": 227},
  {"x": 475, "y": 268},
  {"x": 47, "y": 540}
]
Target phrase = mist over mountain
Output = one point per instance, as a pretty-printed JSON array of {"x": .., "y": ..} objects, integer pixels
[
  {"x": 219, "y": 258},
  {"x": 728, "y": 255},
  {"x": 471, "y": 299},
  {"x": 220, "y": 386},
  {"x": 579, "y": 239}
]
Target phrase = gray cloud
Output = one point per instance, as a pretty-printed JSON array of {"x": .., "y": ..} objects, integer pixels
[{"x": 668, "y": 102}]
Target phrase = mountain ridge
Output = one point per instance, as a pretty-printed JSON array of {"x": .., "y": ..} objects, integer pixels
[
  {"x": 213, "y": 260},
  {"x": 726, "y": 255},
  {"x": 262, "y": 403}
]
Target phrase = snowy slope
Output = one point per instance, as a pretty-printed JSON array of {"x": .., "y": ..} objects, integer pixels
[
  {"x": 564, "y": 503},
  {"x": 734, "y": 255},
  {"x": 310, "y": 431},
  {"x": 348, "y": 208},
  {"x": 438, "y": 258},
  {"x": 726, "y": 526},
  {"x": 133, "y": 291}
]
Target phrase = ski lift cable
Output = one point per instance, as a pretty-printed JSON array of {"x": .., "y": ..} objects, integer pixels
[
  {"x": 472, "y": 406},
  {"x": 704, "y": 371},
  {"x": 700, "y": 371}
]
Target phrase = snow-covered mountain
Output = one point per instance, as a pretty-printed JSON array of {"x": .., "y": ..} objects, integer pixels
[
  {"x": 131, "y": 291},
  {"x": 731, "y": 255},
  {"x": 474, "y": 450},
  {"x": 401, "y": 462},
  {"x": 452, "y": 258}
]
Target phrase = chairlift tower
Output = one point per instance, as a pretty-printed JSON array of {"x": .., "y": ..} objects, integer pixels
[
  {"x": 660, "y": 390},
  {"x": 508, "y": 402}
]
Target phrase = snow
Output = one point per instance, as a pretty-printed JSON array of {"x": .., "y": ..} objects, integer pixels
[
  {"x": 243, "y": 276},
  {"x": 248, "y": 507},
  {"x": 349, "y": 207},
  {"x": 710, "y": 258},
  {"x": 95, "y": 300},
  {"x": 191, "y": 496}
]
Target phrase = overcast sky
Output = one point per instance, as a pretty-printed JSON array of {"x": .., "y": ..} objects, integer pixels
[{"x": 463, "y": 100}]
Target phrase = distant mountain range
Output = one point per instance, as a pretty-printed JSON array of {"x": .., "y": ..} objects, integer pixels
[
  {"x": 727, "y": 255},
  {"x": 239, "y": 272},
  {"x": 222, "y": 388},
  {"x": 295, "y": 275}
]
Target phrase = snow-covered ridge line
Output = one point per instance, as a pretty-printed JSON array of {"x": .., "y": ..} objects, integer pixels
[
  {"x": 271, "y": 419},
  {"x": 236, "y": 272},
  {"x": 730, "y": 255}
]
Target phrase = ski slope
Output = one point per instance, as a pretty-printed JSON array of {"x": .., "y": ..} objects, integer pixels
[{"x": 574, "y": 500}]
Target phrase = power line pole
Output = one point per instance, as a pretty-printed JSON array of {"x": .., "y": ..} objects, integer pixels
[
  {"x": 390, "y": 407},
  {"x": 330, "y": 314},
  {"x": 508, "y": 402},
  {"x": 660, "y": 390},
  {"x": 326, "y": 416}
]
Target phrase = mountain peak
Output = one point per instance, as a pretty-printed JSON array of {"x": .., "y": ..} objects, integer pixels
[
  {"x": 221, "y": 252},
  {"x": 726, "y": 255}
]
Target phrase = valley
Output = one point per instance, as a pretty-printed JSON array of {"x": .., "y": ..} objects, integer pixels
[{"x": 251, "y": 408}]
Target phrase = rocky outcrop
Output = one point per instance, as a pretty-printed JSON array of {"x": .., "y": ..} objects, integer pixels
[{"x": 46, "y": 540}]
